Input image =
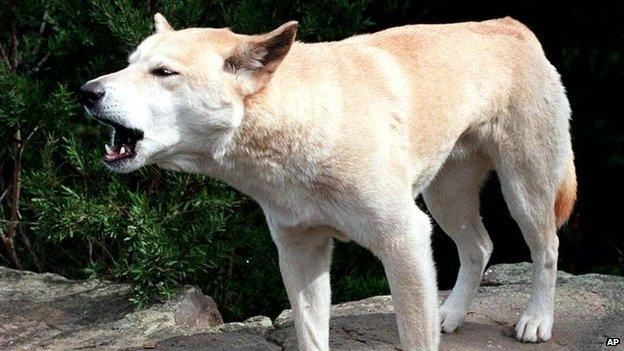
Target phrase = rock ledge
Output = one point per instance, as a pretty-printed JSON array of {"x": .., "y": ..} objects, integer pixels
[{"x": 49, "y": 312}]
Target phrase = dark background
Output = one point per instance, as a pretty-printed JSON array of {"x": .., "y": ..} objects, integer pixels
[{"x": 157, "y": 229}]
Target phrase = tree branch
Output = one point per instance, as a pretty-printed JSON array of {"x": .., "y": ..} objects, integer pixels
[
  {"x": 4, "y": 194},
  {"x": 32, "y": 132},
  {"x": 14, "y": 41},
  {"x": 30, "y": 249},
  {"x": 44, "y": 22},
  {"x": 151, "y": 6},
  {"x": 5, "y": 57},
  {"x": 8, "y": 237},
  {"x": 45, "y": 58},
  {"x": 40, "y": 64}
]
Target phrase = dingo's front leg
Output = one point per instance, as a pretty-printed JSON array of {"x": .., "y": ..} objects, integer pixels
[
  {"x": 304, "y": 258},
  {"x": 403, "y": 246}
]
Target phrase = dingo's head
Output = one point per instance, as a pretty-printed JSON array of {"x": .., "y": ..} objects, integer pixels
[{"x": 182, "y": 91}]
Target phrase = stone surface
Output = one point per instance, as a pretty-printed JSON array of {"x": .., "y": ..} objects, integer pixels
[
  {"x": 48, "y": 312},
  {"x": 258, "y": 324},
  {"x": 514, "y": 273},
  {"x": 197, "y": 310}
]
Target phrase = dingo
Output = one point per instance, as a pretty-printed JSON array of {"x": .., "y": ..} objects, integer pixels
[{"x": 335, "y": 140}]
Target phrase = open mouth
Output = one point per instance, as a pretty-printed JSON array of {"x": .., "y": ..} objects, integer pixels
[{"x": 124, "y": 143}]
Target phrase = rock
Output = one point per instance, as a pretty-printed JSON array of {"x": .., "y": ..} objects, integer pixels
[
  {"x": 514, "y": 273},
  {"x": 235, "y": 341},
  {"x": 49, "y": 312},
  {"x": 149, "y": 345},
  {"x": 258, "y": 324},
  {"x": 248, "y": 335},
  {"x": 589, "y": 308},
  {"x": 376, "y": 304},
  {"x": 197, "y": 310}
]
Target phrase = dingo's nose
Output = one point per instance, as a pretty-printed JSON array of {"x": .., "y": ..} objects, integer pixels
[{"x": 91, "y": 93}]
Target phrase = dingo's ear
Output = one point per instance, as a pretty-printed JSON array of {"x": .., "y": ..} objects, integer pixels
[
  {"x": 161, "y": 24},
  {"x": 258, "y": 57}
]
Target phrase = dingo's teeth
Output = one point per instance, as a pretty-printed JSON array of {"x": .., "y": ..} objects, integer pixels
[
  {"x": 108, "y": 149},
  {"x": 122, "y": 150}
]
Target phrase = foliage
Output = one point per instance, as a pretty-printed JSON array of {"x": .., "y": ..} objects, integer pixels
[{"x": 158, "y": 229}]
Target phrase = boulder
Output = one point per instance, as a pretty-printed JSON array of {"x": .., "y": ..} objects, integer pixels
[{"x": 49, "y": 312}]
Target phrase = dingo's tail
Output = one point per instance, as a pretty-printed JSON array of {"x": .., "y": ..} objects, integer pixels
[{"x": 566, "y": 195}]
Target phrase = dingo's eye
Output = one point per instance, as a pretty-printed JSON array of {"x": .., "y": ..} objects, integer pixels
[{"x": 163, "y": 72}]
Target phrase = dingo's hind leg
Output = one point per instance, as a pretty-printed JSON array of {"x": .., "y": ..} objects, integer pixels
[
  {"x": 530, "y": 201},
  {"x": 453, "y": 200},
  {"x": 533, "y": 159}
]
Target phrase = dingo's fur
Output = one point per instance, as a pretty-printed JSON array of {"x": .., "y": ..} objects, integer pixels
[{"x": 336, "y": 139}]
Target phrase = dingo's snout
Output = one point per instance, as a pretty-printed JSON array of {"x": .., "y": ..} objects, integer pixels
[{"x": 91, "y": 93}]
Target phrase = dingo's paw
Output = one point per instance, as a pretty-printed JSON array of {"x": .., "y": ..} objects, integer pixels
[
  {"x": 451, "y": 318},
  {"x": 532, "y": 328}
]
